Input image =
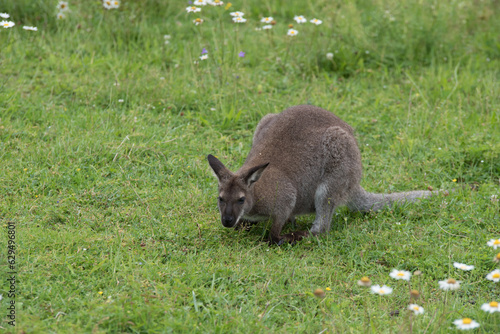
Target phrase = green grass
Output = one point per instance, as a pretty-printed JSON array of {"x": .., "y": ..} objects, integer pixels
[{"x": 117, "y": 197}]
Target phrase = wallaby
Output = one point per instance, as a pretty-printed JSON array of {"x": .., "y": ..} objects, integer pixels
[{"x": 303, "y": 160}]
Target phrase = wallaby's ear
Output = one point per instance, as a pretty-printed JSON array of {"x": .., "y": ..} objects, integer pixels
[
  {"x": 218, "y": 167},
  {"x": 254, "y": 174}
]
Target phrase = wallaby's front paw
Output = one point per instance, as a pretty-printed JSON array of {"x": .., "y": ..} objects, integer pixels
[
  {"x": 245, "y": 225},
  {"x": 276, "y": 241}
]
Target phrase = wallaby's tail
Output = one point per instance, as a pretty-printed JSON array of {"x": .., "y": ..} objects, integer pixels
[{"x": 364, "y": 201}]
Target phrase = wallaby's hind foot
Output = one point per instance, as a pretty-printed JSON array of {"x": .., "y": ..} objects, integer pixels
[{"x": 291, "y": 238}]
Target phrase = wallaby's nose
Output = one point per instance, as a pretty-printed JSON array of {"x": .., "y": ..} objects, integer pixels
[{"x": 227, "y": 221}]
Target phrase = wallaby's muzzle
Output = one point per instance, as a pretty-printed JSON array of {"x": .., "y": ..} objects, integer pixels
[{"x": 228, "y": 221}]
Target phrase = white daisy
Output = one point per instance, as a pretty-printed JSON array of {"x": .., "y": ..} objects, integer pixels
[
  {"x": 167, "y": 37},
  {"x": 4, "y": 15},
  {"x": 199, "y": 2},
  {"x": 62, "y": 6},
  {"x": 462, "y": 266},
  {"x": 193, "y": 9},
  {"x": 216, "y": 3},
  {"x": 300, "y": 19},
  {"x": 61, "y": 16},
  {"x": 268, "y": 26},
  {"x": 316, "y": 21},
  {"x": 449, "y": 284},
  {"x": 494, "y": 276},
  {"x": 329, "y": 56},
  {"x": 416, "y": 309},
  {"x": 115, "y": 3},
  {"x": 108, "y": 4},
  {"x": 267, "y": 19},
  {"x": 236, "y": 14},
  {"x": 400, "y": 274},
  {"x": 364, "y": 281},
  {"x": 7, "y": 24},
  {"x": 381, "y": 290},
  {"x": 30, "y": 28},
  {"x": 204, "y": 57},
  {"x": 466, "y": 323},
  {"x": 491, "y": 307},
  {"x": 292, "y": 32},
  {"x": 198, "y": 21},
  {"x": 495, "y": 243},
  {"x": 239, "y": 19}
]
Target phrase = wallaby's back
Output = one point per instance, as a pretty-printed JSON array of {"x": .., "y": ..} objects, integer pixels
[
  {"x": 281, "y": 137},
  {"x": 293, "y": 142}
]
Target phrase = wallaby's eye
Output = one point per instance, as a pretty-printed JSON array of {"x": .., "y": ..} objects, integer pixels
[
  {"x": 241, "y": 200},
  {"x": 220, "y": 199}
]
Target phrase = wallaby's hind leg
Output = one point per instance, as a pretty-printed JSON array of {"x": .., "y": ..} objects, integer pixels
[
  {"x": 325, "y": 207},
  {"x": 341, "y": 174}
]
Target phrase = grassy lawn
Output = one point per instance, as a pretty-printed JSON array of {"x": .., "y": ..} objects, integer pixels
[{"x": 105, "y": 125}]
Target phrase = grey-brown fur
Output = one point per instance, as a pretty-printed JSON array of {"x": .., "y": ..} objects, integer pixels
[{"x": 303, "y": 160}]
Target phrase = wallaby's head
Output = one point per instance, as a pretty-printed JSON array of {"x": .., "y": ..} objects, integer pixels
[{"x": 235, "y": 190}]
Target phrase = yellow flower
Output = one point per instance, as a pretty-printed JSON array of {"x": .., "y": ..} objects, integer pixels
[
  {"x": 228, "y": 6},
  {"x": 100, "y": 292},
  {"x": 454, "y": 180},
  {"x": 328, "y": 289}
]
